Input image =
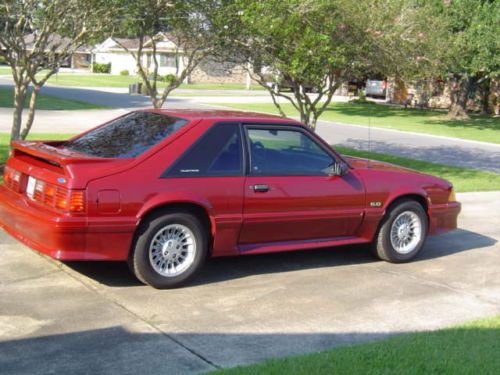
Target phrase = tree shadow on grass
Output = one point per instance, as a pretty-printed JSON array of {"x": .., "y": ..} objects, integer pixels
[
  {"x": 378, "y": 110},
  {"x": 424, "y": 117},
  {"x": 473, "y": 158},
  {"x": 117, "y": 274}
]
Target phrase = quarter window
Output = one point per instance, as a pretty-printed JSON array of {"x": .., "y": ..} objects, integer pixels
[
  {"x": 217, "y": 153},
  {"x": 275, "y": 152}
]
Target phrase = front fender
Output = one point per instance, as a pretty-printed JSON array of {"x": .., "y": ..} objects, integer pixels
[{"x": 405, "y": 191}]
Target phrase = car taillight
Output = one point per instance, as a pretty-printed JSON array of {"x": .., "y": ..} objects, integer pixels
[
  {"x": 12, "y": 178},
  {"x": 452, "y": 197},
  {"x": 71, "y": 201}
]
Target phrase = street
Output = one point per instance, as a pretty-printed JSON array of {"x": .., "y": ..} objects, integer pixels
[{"x": 450, "y": 151}]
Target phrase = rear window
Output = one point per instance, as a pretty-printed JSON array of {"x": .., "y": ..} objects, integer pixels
[{"x": 128, "y": 136}]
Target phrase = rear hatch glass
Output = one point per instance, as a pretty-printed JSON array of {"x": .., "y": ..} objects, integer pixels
[{"x": 126, "y": 137}]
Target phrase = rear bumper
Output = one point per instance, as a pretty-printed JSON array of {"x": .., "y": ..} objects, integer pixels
[
  {"x": 57, "y": 235},
  {"x": 443, "y": 217}
]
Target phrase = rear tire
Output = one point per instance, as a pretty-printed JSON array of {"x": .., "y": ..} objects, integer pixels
[
  {"x": 169, "y": 250},
  {"x": 403, "y": 232}
]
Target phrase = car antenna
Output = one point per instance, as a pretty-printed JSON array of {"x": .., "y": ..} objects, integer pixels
[{"x": 369, "y": 135}]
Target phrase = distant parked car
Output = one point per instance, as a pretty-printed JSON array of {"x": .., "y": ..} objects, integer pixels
[
  {"x": 376, "y": 88},
  {"x": 280, "y": 83},
  {"x": 163, "y": 190},
  {"x": 286, "y": 85}
]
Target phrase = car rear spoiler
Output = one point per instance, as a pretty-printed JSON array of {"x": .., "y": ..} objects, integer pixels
[{"x": 46, "y": 151}]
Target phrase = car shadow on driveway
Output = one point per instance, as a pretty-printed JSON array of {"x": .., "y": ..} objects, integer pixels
[{"x": 117, "y": 274}]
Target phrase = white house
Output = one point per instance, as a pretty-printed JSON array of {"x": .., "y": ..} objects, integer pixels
[
  {"x": 169, "y": 58},
  {"x": 110, "y": 51}
]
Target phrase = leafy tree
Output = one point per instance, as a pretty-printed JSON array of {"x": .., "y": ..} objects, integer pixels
[
  {"x": 36, "y": 36},
  {"x": 193, "y": 26},
  {"x": 307, "y": 45},
  {"x": 316, "y": 45},
  {"x": 405, "y": 34},
  {"x": 472, "y": 29}
]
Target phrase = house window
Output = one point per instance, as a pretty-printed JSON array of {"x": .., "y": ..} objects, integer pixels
[{"x": 168, "y": 61}]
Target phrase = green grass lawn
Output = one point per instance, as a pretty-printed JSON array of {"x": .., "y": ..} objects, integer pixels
[
  {"x": 92, "y": 80},
  {"x": 471, "y": 348},
  {"x": 47, "y": 102},
  {"x": 462, "y": 178},
  {"x": 479, "y": 128},
  {"x": 111, "y": 80},
  {"x": 4, "y": 70}
]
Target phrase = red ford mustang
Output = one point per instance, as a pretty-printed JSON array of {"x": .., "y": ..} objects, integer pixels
[{"x": 164, "y": 189}]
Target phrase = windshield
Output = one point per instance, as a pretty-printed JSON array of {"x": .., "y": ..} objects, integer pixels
[{"x": 128, "y": 136}]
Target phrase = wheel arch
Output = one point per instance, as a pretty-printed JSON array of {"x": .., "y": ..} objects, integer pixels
[
  {"x": 420, "y": 198},
  {"x": 194, "y": 207},
  {"x": 379, "y": 245}
]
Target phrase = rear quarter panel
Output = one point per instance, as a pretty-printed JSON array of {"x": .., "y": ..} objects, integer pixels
[{"x": 141, "y": 190}]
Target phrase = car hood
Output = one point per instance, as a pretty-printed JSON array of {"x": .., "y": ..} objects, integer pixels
[{"x": 377, "y": 165}]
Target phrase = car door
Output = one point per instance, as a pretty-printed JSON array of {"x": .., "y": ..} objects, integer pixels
[{"x": 289, "y": 195}]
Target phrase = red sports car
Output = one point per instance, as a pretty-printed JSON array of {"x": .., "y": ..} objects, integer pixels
[{"x": 164, "y": 189}]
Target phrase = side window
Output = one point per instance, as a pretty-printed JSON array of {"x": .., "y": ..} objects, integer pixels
[
  {"x": 275, "y": 152},
  {"x": 217, "y": 153}
]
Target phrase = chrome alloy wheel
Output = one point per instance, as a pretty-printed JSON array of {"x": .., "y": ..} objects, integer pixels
[
  {"x": 406, "y": 232},
  {"x": 172, "y": 250}
]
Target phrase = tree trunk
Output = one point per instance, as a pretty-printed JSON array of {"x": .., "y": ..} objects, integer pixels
[
  {"x": 157, "y": 102},
  {"x": 31, "y": 112},
  {"x": 19, "y": 97},
  {"x": 306, "y": 120},
  {"x": 485, "y": 97},
  {"x": 459, "y": 95},
  {"x": 313, "y": 123}
]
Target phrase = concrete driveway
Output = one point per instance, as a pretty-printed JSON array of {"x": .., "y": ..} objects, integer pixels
[{"x": 88, "y": 318}]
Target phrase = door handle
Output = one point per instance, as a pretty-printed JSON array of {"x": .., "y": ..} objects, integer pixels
[{"x": 260, "y": 188}]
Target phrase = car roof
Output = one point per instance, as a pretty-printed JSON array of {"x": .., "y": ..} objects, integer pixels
[{"x": 197, "y": 114}]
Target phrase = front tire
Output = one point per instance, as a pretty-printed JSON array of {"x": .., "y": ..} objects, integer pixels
[
  {"x": 169, "y": 250},
  {"x": 403, "y": 232}
]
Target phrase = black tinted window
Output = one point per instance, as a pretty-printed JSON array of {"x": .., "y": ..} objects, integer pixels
[
  {"x": 285, "y": 152},
  {"x": 127, "y": 136},
  {"x": 217, "y": 153}
]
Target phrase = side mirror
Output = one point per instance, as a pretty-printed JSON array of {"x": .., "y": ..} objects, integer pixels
[{"x": 337, "y": 168}]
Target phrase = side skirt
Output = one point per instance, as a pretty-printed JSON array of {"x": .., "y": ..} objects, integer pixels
[{"x": 274, "y": 247}]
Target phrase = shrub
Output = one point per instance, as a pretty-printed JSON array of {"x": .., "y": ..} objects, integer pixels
[
  {"x": 2, "y": 60},
  {"x": 361, "y": 99},
  {"x": 101, "y": 68},
  {"x": 168, "y": 79},
  {"x": 124, "y": 72}
]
